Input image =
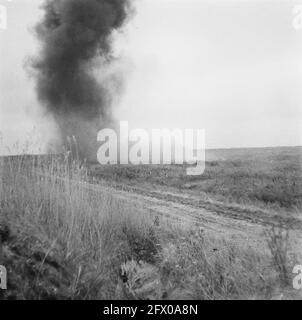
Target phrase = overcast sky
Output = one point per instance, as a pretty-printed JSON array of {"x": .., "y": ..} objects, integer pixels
[{"x": 233, "y": 68}]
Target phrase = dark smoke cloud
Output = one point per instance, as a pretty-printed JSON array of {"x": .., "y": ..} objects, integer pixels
[{"x": 73, "y": 33}]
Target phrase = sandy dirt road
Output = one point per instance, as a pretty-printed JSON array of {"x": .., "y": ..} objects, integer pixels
[{"x": 240, "y": 224}]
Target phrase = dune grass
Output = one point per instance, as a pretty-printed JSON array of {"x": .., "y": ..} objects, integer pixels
[{"x": 63, "y": 239}]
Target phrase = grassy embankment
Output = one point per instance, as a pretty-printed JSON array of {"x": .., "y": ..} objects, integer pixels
[{"x": 63, "y": 240}]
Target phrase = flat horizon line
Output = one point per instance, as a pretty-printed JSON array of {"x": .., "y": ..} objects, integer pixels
[{"x": 207, "y": 149}]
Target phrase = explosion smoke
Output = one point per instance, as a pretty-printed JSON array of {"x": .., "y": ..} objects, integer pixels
[{"x": 73, "y": 33}]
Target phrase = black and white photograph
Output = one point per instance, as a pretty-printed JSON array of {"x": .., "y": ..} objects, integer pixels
[{"x": 150, "y": 150}]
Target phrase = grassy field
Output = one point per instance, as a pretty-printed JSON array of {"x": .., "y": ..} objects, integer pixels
[
  {"x": 268, "y": 178},
  {"x": 62, "y": 240}
]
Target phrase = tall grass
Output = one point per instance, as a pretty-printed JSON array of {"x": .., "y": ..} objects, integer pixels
[{"x": 112, "y": 249}]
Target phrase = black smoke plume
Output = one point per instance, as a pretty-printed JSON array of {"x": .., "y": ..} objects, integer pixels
[{"x": 72, "y": 34}]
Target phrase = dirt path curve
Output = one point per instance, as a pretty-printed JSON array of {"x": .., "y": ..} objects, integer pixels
[{"x": 233, "y": 222}]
